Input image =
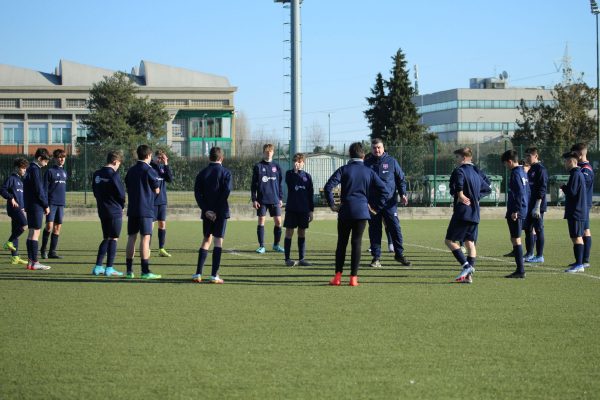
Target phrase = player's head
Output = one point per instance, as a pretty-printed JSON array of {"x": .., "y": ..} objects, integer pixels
[
  {"x": 580, "y": 149},
  {"x": 215, "y": 154},
  {"x": 356, "y": 150},
  {"x": 160, "y": 155},
  {"x": 377, "y": 148},
  {"x": 42, "y": 156},
  {"x": 464, "y": 154},
  {"x": 570, "y": 159},
  {"x": 510, "y": 158},
  {"x": 532, "y": 155},
  {"x": 268, "y": 151},
  {"x": 59, "y": 156},
  {"x": 20, "y": 165},
  {"x": 298, "y": 161},
  {"x": 114, "y": 158},
  {"x": 144, "y": 152}
]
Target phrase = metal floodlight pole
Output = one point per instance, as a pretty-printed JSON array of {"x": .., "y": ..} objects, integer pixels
[{"x": 596, "y": 11}]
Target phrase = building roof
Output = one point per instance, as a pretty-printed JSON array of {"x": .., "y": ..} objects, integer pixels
[{"x": 69, "y": 73}]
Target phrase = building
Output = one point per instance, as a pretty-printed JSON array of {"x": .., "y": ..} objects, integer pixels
[
  {"x": 46, "y": 109},
  {"x": 486, "y": 111}
]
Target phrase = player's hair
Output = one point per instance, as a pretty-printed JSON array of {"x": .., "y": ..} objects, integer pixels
[
  {"x": 42, "y": 153},
  {"x": 59, "y": 153},
  {"x": 298, "y": 157},
  {"x": 356, "y": 150},
  {"x": 143, "y": 151},
  {"x": 510, "y": 155},
  {"x": 215, "y": 154},
  {"x": 268, "y": 147},
  {"x": 113, "y": 156},
  {"x": 159, "y": 152},
  {"x": 532, "y": 150},
  {"x": 570, "y": 154},
  {"x": 464, "y": 152},
  {"x": 376, "y": 141},
  {"x": 20, "y": 162},
  {"x": 579, "y": 147}
]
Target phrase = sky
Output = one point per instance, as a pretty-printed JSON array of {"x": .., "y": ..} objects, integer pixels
[{"x": 344, "y": 45}]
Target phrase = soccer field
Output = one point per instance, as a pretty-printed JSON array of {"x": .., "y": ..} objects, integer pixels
[{"x": 277, "y": 332}]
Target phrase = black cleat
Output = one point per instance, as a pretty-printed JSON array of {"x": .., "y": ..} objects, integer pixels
[
  {"x": 53, "y": 255},
  {"x": 511, "y": 254},
  {"x": 402, "y": 260},
  {"x": 44, "y": 254},
  {"x": 516, "y": 275}
]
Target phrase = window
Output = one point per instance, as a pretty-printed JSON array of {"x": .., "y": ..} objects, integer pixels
[
  {"x": 61, "y": 133},
  {"x": 9, "y": 103},
  {"x": 76, "y": 103},
  {"x": 82, "y": 131},
  {"x": 38, "y": 133},
  {"x": 13, "y": 133},
  {"x": 41, "y": 103},
  {"x": 180, "y": 127}
]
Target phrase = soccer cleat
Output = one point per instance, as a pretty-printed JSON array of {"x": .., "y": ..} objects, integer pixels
[
  {"x": 586, "y": 264},
  {"x": 36, "y": 266},
  {"x": 16, "y": 260},
  {"x": 150, "y": 276},
  {"x": 469, "y": 278},
  {"x": 575, "y": 268},
  {"x": 197, "y": 278},
  {"x": 516, "y": 275},
  {"x": 110, "y": 271},
  {"x": 129, "y": 275},
  {"x": 98, "y": 270},
  {"x": 510, "y": 254},
  {"x": 9, "y": 246},
  {"x": 391, "y": 247},
  {"x": 528, "y": 257},
  {"x": 353, "y": 281},
  {"x": 54, "y": 255},
  {"x": 291, "y": 263},
  {"x": 402, "y": 260},
  {"x": 536, "y": 259},
  {"x": 44, "y": 254},
  {"x": 216, "y": 279},
  {"x": 464, "y": 274},
  {"x": 336, "y": 280},
  {"x": 304, "y": 263},
  {"x": 261, "y": 250},
  {"x": 278, "y": 248},
  {"x": 376, "y": 263},
  {"x": 163, "y": 253}
]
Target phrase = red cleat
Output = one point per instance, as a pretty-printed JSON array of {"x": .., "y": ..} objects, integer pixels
[
  {"x": 354, "y": 281},
  {"x": 336, "y": 280}
]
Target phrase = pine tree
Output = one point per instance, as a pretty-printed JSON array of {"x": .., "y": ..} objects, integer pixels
[{"x": 379, "y": 113}]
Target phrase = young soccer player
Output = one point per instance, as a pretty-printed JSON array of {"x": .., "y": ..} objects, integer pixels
[
  {"x": 142, "y": 187},
  {"x": 267, "y": 193},
  {"x": 12, "y": 191},
  {"x": 298, "y": 209},
  {"x": 55, "y": 180},
  {"x": 588, "y": 174},
  {"x": 36, "y": 206},
  {"x": 468, "y": 186},
  {"x": 537, "y": 175},
  {"x": 212, "y": 188},
  {"x": 110, "y": 198},
  {"x": 576, "y": 208},
  {"x": 162, "y": 169},
  {"x": 357, "y": 183},
  {"x": 516, "y": 207}
]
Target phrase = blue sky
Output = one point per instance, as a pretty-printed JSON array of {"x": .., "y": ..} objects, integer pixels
[{"x": 345, "y": 44}]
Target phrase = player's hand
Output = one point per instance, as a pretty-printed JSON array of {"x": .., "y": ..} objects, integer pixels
[
  {"x": 514, "y": 216},
  {"x": 14, "y": 203},
  {"x": 371, "y": 209},
  {"x": 164, "y": 159},
  {"x": 310, "y": 216},
  {"x": 280, "y": 203},
  {"x": 465, "y": 200},
  {"x": 535, "y": 213},
  {"x": 404, "y": 200},
  {"x": 335, "y": 208},
  {"x": 211, "y": 215},
  {"x": 256, "y": 205},
  {"x": 47, "y": 210}
]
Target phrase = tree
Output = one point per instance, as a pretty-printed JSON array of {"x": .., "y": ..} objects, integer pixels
[
  {"x": 242, "y": 134},
  {"x": 119, "y": 117},
  {"x": 378, "y": 115}
]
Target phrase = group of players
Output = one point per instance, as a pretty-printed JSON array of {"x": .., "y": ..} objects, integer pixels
[{"x": 370, "y": 189}]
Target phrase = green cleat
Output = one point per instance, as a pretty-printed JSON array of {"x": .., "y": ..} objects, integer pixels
[
  {"x": 16, "y": 260},
  {"x": 9, "y": 246},
  {"x": 130, "y": 275},
  {"x": 163, "y": 253},
  {"x": 150, "y": 276},
  {"x": 278, "y": 248}
]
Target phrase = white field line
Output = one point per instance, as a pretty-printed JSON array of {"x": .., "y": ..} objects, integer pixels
[{"x": 499, "y": 260}]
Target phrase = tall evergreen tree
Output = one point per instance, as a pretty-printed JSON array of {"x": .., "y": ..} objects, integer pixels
[{"x": 379, "y": 113}]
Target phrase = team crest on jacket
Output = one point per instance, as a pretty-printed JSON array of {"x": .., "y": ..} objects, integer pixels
[
  {"x": 274, "y": 169},
  {"x": 385, "y": 166},
  {"x": 304, "y": 179}
]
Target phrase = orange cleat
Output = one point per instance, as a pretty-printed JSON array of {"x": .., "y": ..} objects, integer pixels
[
  {"x": 336, "y": 280},
  {"x": 354, "y": 281}
]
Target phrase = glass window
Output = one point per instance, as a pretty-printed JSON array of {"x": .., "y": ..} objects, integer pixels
[
  {"x": 82, "y": 131},
  {"x": 38, "y": 133},
  {"x": 487, "y": 103},
  {"x": 61, "y": 133},
  {"x": 226, "y": 127},
  {"x": 13, "y": 134}
]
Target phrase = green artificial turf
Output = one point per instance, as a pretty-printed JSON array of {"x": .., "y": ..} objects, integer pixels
[{"x": 277, "y": 332}]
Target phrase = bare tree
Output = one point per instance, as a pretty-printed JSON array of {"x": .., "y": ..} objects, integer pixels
[
  {"x": 316, "y": 136},
  {"x": 242, "y": 134}
]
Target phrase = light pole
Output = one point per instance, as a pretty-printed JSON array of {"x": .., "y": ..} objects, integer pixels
[
  {"x": 329, "y": 132},
  {"x": 596, "y": 11}
]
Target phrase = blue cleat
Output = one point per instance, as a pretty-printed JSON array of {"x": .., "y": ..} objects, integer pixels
[
  {"x": 536, "y": 259},
  {"x": 278, "y": 248},
  {"x": 261, "y": 250},
  {"x": 197, "y": 278},
  {"x": 575, "y": 268},
  {"x": 528, "y": 257},
  {"x": 466, "y": 275},
  {"x": 110, "y": 271},
  {"x": 98, "y": 270}
]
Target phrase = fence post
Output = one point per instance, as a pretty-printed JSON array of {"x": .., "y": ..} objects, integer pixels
[
  {"x": 85, "y": 172},
  {"x": 505, "y": 176},
  {"x": 434, "y": 172}
]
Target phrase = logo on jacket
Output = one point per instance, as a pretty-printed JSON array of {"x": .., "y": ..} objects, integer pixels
[
  {"x": 385, "y": 166},
  {"x": 274, "y": 169},
  {"x": 304, "y": 178},
  {"x": 297, "y": 187}
]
